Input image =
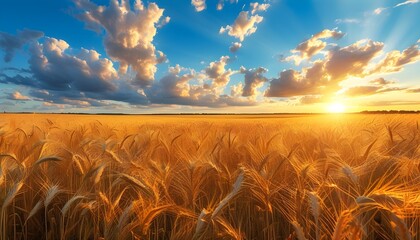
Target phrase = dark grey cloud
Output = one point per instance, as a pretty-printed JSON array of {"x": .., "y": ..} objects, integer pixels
[
  {"x": 18, "y": 80},
  {"x": 11, "y": 43}
]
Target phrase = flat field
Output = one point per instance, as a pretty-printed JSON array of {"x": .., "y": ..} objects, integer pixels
[{"x": 210, "y": 177}]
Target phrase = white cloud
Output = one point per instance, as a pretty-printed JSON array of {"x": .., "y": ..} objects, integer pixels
[
  {"x": 258, "y": 7},
  {"x": 236, "y": 90},
  {"x": 199, "y": 5},
  {"x": 221, "y": 3},
  {"x": 58, "y": 74},
  {"x": 312, "y": 46},
  {"x": 235, "y": 47},
  {"x": 243, "y": 26},
  {"x": 163, "y": 22},
  {"x": 407, "y": 2},
  {"x": 55, "y": 69},
  {"x": 129, "y": 34},
  {"x": 254, "y": 79},
  {"x": 18, "y": 96},
  {"x": 177, "y": 88},
  {"x": 378, "y": 11},
  {"x": 394, "y": 61},
  {"x": 324, "y": 76},
  {"x": 217, "y": 72}
]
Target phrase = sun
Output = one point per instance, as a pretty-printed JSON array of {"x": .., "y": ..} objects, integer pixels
[{"x": 336, "y": 108}]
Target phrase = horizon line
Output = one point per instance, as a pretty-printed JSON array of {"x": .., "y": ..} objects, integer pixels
[{"x": 228, "y": 113}]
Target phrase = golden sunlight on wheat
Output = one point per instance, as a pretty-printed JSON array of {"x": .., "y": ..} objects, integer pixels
[{"x": 187, "y": 177}]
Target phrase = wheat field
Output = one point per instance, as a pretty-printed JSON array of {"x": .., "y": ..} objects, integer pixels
[{"x": 210, "y": 177}]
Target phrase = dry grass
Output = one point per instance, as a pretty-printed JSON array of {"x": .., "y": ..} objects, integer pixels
[{"x": 237, "y": 177}]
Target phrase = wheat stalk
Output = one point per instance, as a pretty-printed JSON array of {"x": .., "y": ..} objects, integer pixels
[
  {"x": 236, "y": 187},
  {"x": 11, "y": 195}
]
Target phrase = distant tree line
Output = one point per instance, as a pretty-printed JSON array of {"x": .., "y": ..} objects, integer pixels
[{"x": 391, "y": 112}]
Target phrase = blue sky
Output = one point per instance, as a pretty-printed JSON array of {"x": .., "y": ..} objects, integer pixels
[{"x": 158, "y": 56}]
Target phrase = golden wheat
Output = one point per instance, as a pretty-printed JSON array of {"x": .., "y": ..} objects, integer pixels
[{"x": 210, "y": 177}]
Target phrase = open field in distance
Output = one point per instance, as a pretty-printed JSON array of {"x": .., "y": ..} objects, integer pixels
[{"x": 210, "y": 177}]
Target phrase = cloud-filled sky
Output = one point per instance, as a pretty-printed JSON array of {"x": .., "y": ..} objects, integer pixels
[{"x": 134, "y": 56}]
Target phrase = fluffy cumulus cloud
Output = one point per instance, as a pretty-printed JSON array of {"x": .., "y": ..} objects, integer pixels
[
  {"x": 129, "y": 34},
  {"x": 254, "y": 79},
  {"x": 55, "y": 69},
  {"x": 395, "y": 60},
  {"x": 11, "y": 43},
  {"x": 236, "y": 90},
  {"x": 18, "y": 96},
  {"x": 58, "y": 74},
  {"x": 325, "y": 75},
  {"x": 177, "y": 87},
  {"x": 216, "y": 71},
  {"x": 61, "y": 76},
  {"x": 312, "y": 46},
  {"x": 351, "y": 60},
  {"x": 244, "y": 25}
]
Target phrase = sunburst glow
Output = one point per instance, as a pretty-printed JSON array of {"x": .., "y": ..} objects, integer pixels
[{"x": 336, "y": 108}]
